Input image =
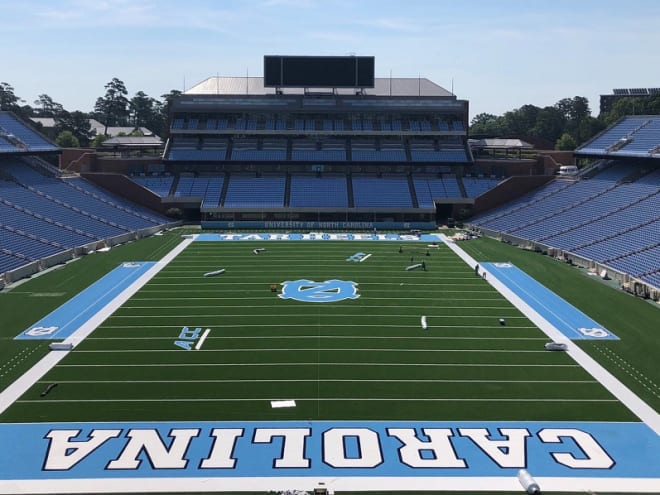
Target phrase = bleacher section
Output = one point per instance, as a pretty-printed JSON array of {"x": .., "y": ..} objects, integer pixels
[
  {"x": 427, "y": 188},
  {"x": 307, "y": 123},
  {"x": 604, "y": 219},
  {"x": 42, "y": 215},
  {"x": 207, "y": 188},
  {"x": 637, "y": 137},
  {"x": 476, "y": 186},
  {"x": 325, "y": 191},
  {"x": 381, "y": 192},
  {"x": 158, "y": 185},
  {"x": 311, "y": 151},
  {"x": 255, "y": 192},
  {"x": 354, "y": 150},
  {"x": 16, "y": 136}
]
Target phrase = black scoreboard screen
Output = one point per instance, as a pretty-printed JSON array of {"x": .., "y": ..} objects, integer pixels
[{"x": 287, "y": 71}]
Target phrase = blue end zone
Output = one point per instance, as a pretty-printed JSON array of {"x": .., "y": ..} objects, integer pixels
[
  {"x": 327, "y": 449},
  {"x": 569, "y": 320},
  {"x": 69, "y": 317}
]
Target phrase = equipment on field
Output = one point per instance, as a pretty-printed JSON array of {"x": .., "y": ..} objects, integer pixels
[
  {"x": 414, "y": 267},
  {"x": 214, "y": 273},
  {"x": 528, "y": 483},
  {"x": 556, "y": 346},
  {"x": 258, "y": 250},
  {"x": 48, "y": 389},
  {"x": 60, "y": 346}
]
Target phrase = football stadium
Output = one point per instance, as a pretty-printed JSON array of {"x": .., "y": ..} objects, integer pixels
[{"x": 323, "y": 285}]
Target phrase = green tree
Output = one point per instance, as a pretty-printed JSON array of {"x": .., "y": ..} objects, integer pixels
[
  {"x": 48, "y": 107},
  {"x": 653, "y": 106},
  {"x": 486, "y": 124},
  {"x": 519, "y": 122},
  {"x": 113, "y": 107},
  {"x": 142, "y": 109},
  {"x": 66, "y": 139},
  {"x": 98, "y": 140},
  {"x": 8, "y": 100},
  {"x": 639, "y": 105},
  {"x": 163, "y": 111},
  {"x": 550, "y": 124},
  {"x": 574, "y": 109},
  {"x": 565, "y": 143},
  {"x": 588, "y": 128},
  {"x": 77, "y": 123}
]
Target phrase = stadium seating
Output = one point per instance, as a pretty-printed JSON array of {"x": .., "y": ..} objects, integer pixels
[
  {"x": 42, "y": 215},
  {"x": 429, "y": 187},
  {"x": 603, "y": 219},
  {"x": 476, "y": 186},
  {"x": 637, "y": 136},
  {"x": 378, "y": 155},
  {"x": 381, "y": 192},
  {"x": 207, "y": 188},
  {"x": 17, "y": 136},
  {"x": 255, "y": 192},
  {"x": 158, "y": 185},
  {"x": 323, "y": 192},
  {"x": 442, "y": 155}
]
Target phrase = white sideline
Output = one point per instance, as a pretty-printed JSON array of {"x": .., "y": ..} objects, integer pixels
[
  {"x": 333, "y": 484},
  {"x": 646, "y": 413},
  {"x": 28, "y": 379}
]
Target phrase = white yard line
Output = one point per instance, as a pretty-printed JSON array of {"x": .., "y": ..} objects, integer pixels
[
  {"x": 315, "y": 399},
  {"x": 315, "y": 363},
  {"x": 646, "y": 413},
  {"x": 200, "y": 343},
  {"x": 333, "y": 484},
  {"x": 27, "y": 380},
  {"x": 314, "y": 349},
  {"x": 329, "y": 380}
]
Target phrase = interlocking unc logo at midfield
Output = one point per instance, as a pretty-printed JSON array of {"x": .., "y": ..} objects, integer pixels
[{"x": 319, "y": 292}]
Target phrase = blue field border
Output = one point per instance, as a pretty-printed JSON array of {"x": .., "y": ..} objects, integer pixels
[
  {"x": 327, "y": 449},
  {"x": 569, "y": 320},
  {"x": 65, "y": 320}
]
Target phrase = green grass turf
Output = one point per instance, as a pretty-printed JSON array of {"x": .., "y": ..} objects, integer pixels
[
  {"x": 634, "y": 358},
  {"x": 27, "y": 302},
  {"x": 362, "y": 359}
]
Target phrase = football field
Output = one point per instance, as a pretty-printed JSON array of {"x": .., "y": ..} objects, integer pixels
[{"x": 316, "y": 336}]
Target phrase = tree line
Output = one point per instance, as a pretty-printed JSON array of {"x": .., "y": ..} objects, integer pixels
[
  {"x": 113, "y": 109},
  {"x": 564, "y": 125}
]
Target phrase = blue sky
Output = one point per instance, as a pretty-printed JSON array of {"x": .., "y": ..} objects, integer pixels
[{"x": 500, "y": 54}]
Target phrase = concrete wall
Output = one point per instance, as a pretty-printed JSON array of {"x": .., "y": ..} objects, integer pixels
[
  {"x": 78, "y": 159},
  {"x": 122, "y": 186},
  {"x": 511, "y": 188}
]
